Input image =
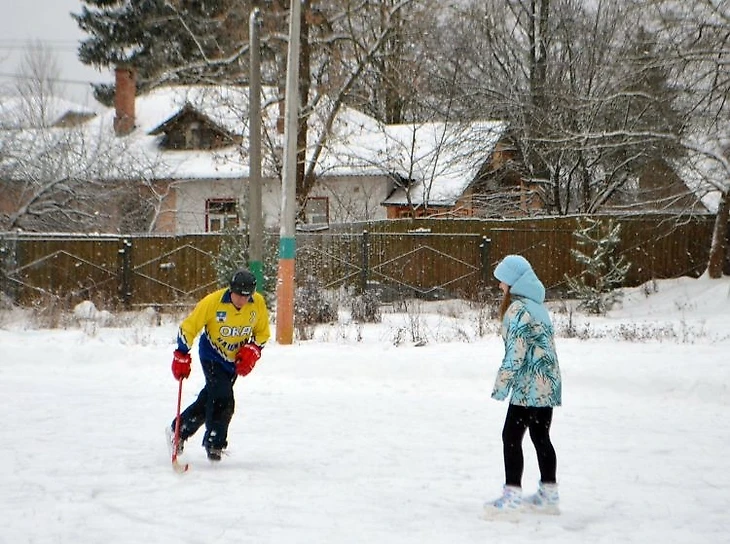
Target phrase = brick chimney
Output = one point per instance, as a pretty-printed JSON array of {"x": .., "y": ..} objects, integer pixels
[{"x": 126, "y": 87}]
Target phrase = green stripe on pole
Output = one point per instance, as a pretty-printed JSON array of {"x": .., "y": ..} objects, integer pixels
[
  {"x": 287, "y": 248},
  {"x": 257, "y": 269}
]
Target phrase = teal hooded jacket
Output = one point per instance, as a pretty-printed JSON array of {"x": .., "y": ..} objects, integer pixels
[{"x": 529, "y": 369}]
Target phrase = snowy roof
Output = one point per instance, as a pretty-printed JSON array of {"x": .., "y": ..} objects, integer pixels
[
  {"x": 442, "y": 158},
  {"x": 706, "y": 169},
  {"x": 225, "y": 106},
  {"x": 25, "y": 112}
]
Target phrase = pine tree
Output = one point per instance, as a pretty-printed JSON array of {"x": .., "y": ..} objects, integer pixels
[
  {"x": 597, "y": 286},
  {"x": 233, "y": 254},
  {"x": 188, "y": 41},
  {"x": 651, "y": 101},
  {"x": 642, "y": 122}
]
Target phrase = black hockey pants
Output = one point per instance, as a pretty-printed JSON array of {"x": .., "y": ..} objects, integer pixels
[{"x": 214, "y": 407}]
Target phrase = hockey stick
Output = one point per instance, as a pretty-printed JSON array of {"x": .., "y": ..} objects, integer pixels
[{"x": 177, "y": 466}]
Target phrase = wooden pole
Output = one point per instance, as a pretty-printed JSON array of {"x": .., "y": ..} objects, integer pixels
[{"x": 255, "y": 212}]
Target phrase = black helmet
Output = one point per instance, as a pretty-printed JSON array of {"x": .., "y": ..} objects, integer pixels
[{"x": 243, "y": 282}]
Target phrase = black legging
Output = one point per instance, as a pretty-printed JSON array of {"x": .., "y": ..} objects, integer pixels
[
  {"x": 518, "y": 420},
  {"x": 214, "y": 407}
]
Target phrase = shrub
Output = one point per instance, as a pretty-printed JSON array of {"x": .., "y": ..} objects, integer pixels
[{"x": 365, "y": 308}]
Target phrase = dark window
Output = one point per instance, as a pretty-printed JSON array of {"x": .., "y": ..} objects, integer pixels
[
  {"x": 316, "y": 211},
  {"x": 221, "y": 214},
  {"x": 193, "y": 136}
]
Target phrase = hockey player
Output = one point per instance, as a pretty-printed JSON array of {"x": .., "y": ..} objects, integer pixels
[{"x": 235, "y": 326}]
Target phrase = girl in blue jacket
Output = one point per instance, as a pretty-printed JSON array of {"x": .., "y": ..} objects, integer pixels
[{"x": 530, "y": 376}]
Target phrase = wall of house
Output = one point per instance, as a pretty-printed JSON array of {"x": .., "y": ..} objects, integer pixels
[
  {"x": 660, "y": 188},
  {"x": 353, "y": 198},
  {"x": 11, "y": 200},
  {"x": 192, "y": 195},
  {"x": 350, "y": 198},
  {"x": 166, "y": 218}
]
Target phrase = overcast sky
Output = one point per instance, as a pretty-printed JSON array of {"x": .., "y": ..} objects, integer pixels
[{"x": 49, "y": 21}]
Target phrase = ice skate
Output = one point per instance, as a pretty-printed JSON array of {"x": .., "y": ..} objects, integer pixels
[
  {"x": 545, "y": 501},
  {"x": 509, "y": 505}
]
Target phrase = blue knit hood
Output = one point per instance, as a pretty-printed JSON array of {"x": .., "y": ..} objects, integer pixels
[{"x": 516, "y": 271}]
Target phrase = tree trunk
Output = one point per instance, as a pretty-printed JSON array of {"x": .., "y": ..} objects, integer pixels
[
  {"x": 305, "y": 74},
  {"x": 718, "y": 249},
  {"x": 539, "y": 15}
]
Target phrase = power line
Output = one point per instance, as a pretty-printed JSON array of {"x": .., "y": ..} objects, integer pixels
[
  {"x": 34, "y": 40},
  {"x": 10, "y": 44},
  {"x": 55, "y": 48},
  {"x": 56, "y": 80}
]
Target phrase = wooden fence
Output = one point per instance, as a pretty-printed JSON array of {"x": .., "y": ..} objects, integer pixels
[
  {"x": 428, "y": 258},
  {"x": 398, "y": 264},
  {"x": 657, "y": 246},
  {"x": 109, "y": 270}
]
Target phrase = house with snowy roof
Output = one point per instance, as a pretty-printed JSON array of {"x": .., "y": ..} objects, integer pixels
[
  {"x": 458, "y": 170},
  {"x": 18, "y": 112},
  {"x": 183, "y": 152}
]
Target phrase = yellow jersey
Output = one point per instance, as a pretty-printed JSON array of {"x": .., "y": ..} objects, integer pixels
[{"x": 225, "y": 328}]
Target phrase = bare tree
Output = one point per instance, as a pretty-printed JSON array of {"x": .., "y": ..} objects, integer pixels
[
  {"x": 351, "y": 51},
  {"x": 339, "y": 44},
  {"x": 575, "y": 82},
  {"x": 390, "y": 87},
  {"x": 79, "y": 179},
  {"x": 51, "y": 179},
  {"x": 695, "y": 42},
  {"x": 38, "y": 85},
  {"x": 73, "y": 178}
]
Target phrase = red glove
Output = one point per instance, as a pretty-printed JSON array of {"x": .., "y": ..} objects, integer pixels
[
  {"x": 180, "y": 365},
  {"x": 246, "y": 358}
]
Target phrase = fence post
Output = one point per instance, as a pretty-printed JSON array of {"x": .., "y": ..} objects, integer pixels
[
  {"x": 8, "y": 264},
  {"x": 365, "y": 264},
  {"x": 125, "y": 290},
  {"x": 484, "y": 254}
]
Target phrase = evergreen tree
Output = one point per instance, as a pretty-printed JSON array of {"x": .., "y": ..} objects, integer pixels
[
  {"x": 182, "y": 42},
  {"x": 233, "y": 255},
  {"x": 652, "y": 102},
  {"x": 597, "y": 286},
  {"x": 645, "y": 115}
]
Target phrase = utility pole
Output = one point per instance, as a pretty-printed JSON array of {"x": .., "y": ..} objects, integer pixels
[
  {"x": 255, "y": 212},
  {"x": 287, "y": 240}
]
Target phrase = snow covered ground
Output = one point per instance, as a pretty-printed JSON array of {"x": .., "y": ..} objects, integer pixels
[{"x": 349, "y": 438}]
